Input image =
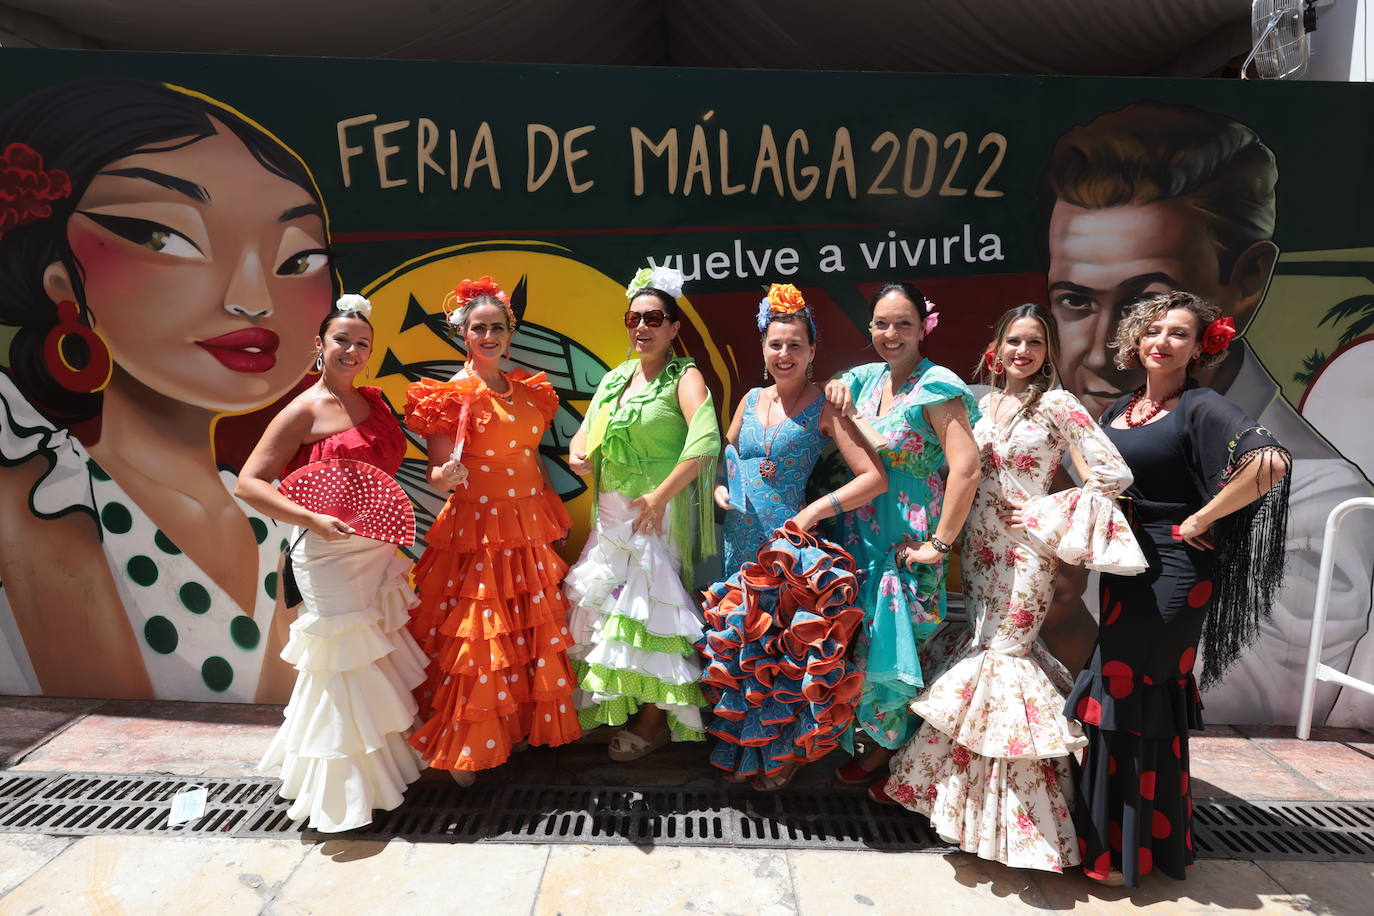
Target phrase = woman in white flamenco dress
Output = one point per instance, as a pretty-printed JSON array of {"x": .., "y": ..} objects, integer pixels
[
  {"x": 342, "y": 749},
  {"x": 990, "y": 764}
]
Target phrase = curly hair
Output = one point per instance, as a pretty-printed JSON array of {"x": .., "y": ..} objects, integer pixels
[{"x": 1146, "y": 311}]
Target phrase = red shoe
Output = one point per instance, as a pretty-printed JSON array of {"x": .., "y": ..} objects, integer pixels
[
  {"x": 851, "y": 774},
  {"x": 877, "y": 793}
]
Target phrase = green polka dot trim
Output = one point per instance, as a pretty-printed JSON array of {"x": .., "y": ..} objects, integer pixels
[
  {"x": 632, "y": 632},
  {"x": 245, "y": 633},
  {"x": 628, "y": 690},
  {"x": 142, "y": 570},
  {"x": 96, "y": 470},
  {"x": 116, "y": 518},
  {"x": 269, "y": 585},
  {"x": 259, "y": 529},
  {"x": 161, "y": 635},
  {"x": 618, "y": 711},
  {"x": 285, "y": 546},
  {"x": 194, "y": 597},
  {"x": 164, "y": 543},
  {"x": 217, "y": 674}
]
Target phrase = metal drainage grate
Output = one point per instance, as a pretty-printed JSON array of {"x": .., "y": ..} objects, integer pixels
[
  {"x": 653, "y": 816},
  {"x": 1302, "y": 830},
  {"x": 436, "y": 811},
  {"x": 83, "y": 804}
]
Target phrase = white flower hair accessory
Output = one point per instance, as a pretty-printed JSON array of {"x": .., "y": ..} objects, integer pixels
[
  {"x": 352, "y": 302},
  {"x": 664, "y": 278}
]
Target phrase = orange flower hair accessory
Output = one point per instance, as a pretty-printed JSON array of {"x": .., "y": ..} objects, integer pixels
[
  {"x": 464, "y": 293},
  {"x": 783, "y": 299}
]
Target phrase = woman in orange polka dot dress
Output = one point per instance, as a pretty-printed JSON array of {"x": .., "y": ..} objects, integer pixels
[{"x": 492, "y": 618}]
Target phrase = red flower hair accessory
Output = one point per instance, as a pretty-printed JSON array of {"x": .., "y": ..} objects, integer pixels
[
  {"x": 1218, "y": 336},
  {"x": 26, "y": 188},
  {"x": 469, "y": 290},
  {"x": 990, "y": 355}
]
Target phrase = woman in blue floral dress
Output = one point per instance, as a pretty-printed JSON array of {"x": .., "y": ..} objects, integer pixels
[
  {"x": 777, "y": 671},
  {"x": 923, "y": 413}
]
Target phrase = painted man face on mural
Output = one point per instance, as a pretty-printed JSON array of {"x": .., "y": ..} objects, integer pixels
[{"x": 1149, "y": 199}]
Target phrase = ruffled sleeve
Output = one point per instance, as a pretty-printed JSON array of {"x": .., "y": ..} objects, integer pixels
[
  {"x": 937, "y": 385},
  {"x": 440, "y": 408},
  {"x": 541, "y": 392},
  {"x": 602, "y": 405},
  {"x": 1084, "y": 526},
  {"x": 855, "y": 379},
  {"x": 25, "y": 433}
]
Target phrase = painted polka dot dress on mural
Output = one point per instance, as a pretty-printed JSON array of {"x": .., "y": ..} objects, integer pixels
[{"x": 195, "y": 641}]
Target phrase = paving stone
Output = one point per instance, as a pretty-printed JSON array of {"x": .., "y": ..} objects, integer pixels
[
  {"x": 1325, "y": 887},
  {"x": 1224, "y": 763},
  {"x": 877, "y": 882},
  {"x": 1211, "y": 885},
  {"x": 596, "y": 880},
  {"x": 23, "y": 854},
  {"x": 183, "y": 875},
  {"x": 1340, "y": 768},
  {"x": 193, "y": 739},
  {"x": 349, "y": 876},
  {"x": 26, "y": 722}
]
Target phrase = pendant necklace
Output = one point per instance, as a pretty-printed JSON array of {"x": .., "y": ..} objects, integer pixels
[{"x": 767, "y": 468}]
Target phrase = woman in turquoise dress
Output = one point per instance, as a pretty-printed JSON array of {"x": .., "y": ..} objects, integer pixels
[
  {"x": 922, "y": 414},
  {"x": 779, "y": 627}
]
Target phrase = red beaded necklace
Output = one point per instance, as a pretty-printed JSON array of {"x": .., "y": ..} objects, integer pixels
[{"x": 1154, "y": 412}]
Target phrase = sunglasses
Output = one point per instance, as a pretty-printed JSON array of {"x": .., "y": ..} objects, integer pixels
[{"x": 653, "y": 319}]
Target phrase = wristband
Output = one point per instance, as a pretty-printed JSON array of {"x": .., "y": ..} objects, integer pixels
[
  {"x": 835, "y": 504},
  {"x": 939, "y": 544}
]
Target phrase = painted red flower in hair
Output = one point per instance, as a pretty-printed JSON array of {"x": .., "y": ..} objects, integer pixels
[
  {"x": 1218, "y": 335},
  {"x": 26, "y": 188}
]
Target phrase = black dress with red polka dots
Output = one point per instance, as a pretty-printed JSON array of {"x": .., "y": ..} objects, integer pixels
[{"x": 1137, "y": 698}]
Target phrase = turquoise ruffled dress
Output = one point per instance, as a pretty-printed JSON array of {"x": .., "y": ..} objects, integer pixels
[{"x": 901, "y": 609}]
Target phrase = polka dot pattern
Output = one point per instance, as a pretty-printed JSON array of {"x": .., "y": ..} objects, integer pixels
[{"x": 361, "y": 495}]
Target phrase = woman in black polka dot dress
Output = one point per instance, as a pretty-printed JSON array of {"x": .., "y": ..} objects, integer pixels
[{"x": 1209, "y": 508}]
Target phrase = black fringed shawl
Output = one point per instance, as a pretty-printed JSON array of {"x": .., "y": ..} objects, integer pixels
[{"x": 1249, "y": 562}]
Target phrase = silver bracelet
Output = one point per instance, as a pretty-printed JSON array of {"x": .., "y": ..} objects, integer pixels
[{"x": 835, "y": 504}]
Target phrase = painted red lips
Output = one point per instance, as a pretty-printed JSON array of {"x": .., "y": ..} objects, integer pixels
[{"x": 247, "y": 350}]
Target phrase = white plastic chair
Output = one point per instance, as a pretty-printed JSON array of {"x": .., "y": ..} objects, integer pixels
[{"x": 1316, "y": 671}]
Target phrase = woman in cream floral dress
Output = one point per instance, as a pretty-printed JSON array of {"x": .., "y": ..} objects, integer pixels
[{"x": 990, "y": 765}]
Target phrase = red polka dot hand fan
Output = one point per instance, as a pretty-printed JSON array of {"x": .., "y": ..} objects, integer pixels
[{"x": 362, "y": 496}]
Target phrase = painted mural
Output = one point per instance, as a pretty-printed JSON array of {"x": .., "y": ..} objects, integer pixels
[{"x": 173, "y": 228}]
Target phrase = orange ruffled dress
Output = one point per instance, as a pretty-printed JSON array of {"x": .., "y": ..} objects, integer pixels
[{"x": 492, "y": 618}]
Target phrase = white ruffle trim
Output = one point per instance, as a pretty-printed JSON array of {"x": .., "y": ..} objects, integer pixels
[
  {"x": 1085, "y": 529},
  {"x": 1016, "y": 812},
  {"x": 1002, "y": 706},
  {"x": 342, "y": 748},
  {"x": 24, "y": 432}
]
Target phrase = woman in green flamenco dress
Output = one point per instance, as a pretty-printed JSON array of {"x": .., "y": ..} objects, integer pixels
[{"x": 649, "y": 441}]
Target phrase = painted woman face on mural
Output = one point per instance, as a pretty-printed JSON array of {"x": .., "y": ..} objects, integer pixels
[{"x": 205, "y": 273}]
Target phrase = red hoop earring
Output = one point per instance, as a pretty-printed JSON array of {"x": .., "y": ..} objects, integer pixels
[
  {"x": 95, "y": 375},
  {"x": 998, "y": 367}
]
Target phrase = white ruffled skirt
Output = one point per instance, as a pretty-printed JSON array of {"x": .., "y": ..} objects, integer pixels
[
  {"x": 634, "y": 625},
  {"x": 342, "y": 749}
]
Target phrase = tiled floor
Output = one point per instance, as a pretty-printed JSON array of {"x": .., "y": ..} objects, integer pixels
[{"x": 198, "y": 875}]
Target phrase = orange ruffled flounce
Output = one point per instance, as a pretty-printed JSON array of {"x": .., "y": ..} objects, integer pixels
[{"x": 492, "y": 618}]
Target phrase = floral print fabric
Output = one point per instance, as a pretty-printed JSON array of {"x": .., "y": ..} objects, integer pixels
[
  {"x": 901, "y": 608},
  {"x": 989, "y": 766}
]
